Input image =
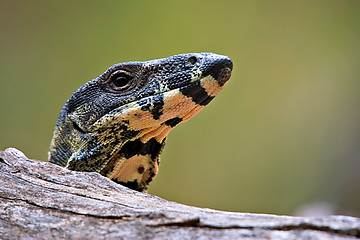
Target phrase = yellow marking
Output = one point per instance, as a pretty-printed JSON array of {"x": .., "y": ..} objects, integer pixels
[
  {"x": 158, "y": 133},
  {"x": 163, "y": 134},
  {"x": 175, "y": 105},
  {"x": 210, "y": 85},
  {"x": 128, "y": 169},
  {"x": 195, "y": 75},
  {"x": 163, "y": 88},
  {"x": 192, "y": 113}
]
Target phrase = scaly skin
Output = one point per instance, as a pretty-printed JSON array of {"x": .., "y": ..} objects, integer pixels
[{"x": 117, "y": 123}]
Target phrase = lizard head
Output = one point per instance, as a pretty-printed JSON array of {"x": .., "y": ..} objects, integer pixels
[{"x": 117, "y": 123}]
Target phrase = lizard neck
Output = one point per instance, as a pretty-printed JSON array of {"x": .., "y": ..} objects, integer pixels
[{"x": 136, "y": 164}]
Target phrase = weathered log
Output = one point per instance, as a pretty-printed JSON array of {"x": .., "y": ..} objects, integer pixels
[{"x": 40, "y": 200}]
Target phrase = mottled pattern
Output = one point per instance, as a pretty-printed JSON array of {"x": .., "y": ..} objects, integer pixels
[{"x": 117, "y": 123}]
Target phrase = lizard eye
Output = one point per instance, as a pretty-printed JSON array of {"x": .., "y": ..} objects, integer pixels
[
  {"x": 120, "y": 80},
  {"x": 192, "y": 60}
]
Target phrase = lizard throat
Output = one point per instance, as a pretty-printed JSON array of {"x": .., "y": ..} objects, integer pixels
[{"x": 136, "y": 161}]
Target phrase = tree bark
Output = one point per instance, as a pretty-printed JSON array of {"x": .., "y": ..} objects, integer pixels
[{"x": 40, "y": 200}]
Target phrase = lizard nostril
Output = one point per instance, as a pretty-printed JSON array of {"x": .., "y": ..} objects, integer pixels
[{"x": 192, "y": 60}]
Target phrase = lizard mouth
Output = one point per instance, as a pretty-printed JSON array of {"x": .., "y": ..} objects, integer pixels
[
  {"x": 222, "y": 75},
  {"x": 201, "y": 89},
  {"x": 220, "y": 70}
]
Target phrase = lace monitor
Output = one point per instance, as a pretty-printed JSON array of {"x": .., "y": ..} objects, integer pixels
[{"x": 117, "y": 123}]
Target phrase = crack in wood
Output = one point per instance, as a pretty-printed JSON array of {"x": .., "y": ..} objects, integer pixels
[{"x": 195, "y": 222}]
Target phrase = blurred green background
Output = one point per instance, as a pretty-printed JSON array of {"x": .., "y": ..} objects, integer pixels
[{"x": 285, "y": 131}]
